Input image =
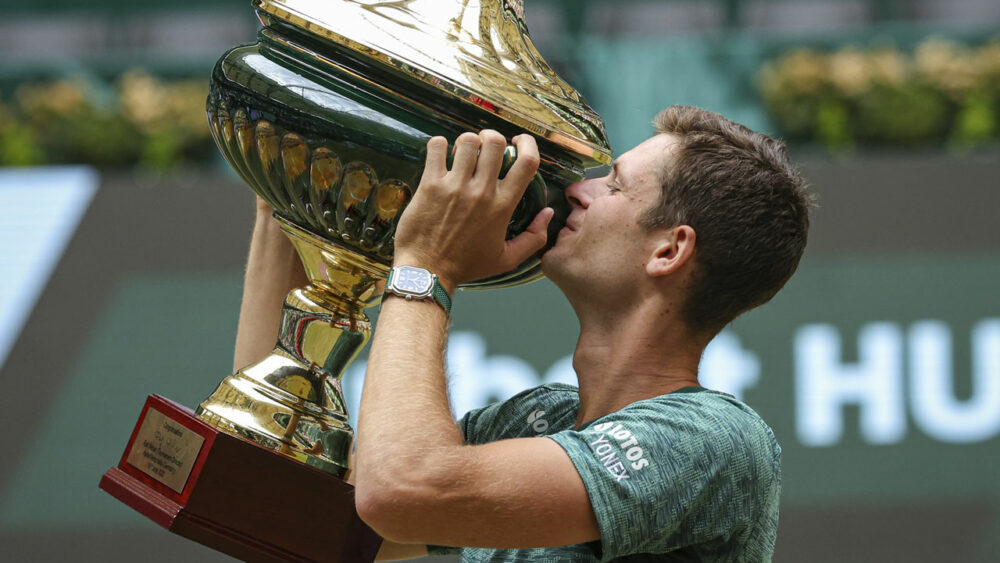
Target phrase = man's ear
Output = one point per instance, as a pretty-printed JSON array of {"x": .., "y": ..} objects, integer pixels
[{"x": 672, "y": 251}]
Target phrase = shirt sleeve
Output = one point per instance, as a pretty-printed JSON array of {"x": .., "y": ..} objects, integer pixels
[
  {"x": 513, "y": 418},
  {"x": 436, "y": 550},
  {"x": 675, "y": 472},
  {"x": 508, "y": 419}
]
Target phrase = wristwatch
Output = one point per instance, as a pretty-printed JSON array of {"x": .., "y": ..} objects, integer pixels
[{"x": 417, "y": 283}]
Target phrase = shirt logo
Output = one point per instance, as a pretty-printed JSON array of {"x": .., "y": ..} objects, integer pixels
[
  {"x": 538, "y": 424},
  {"x": 604, "y": 448}
]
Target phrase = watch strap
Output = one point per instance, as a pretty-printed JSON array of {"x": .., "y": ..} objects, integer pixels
[{"x": 440, "y": 295}]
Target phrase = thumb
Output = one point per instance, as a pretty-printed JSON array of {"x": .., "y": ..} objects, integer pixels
[{"x": 532, "y": 240}]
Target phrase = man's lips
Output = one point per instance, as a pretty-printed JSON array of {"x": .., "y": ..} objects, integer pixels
[
  {"x": 568, "y": 227},
  {"x": 563, "y": 232}
]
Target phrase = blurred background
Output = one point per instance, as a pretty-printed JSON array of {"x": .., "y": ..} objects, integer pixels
[{"x": 123, "y": 236}]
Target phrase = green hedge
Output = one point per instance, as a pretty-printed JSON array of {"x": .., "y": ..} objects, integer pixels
[
  {"x": 941, "y": 93},
  {"x": 136, "y": 120}
]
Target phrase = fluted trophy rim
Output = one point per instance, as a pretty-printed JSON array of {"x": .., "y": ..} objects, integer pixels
[{"x": 556, "y": 102}]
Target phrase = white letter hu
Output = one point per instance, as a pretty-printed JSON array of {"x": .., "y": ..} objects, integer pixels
[
  {"x": 824, "y": 385},
  {"x": 935, "y": 408}
]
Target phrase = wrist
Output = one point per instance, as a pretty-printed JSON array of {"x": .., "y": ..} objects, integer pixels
[
  {"x": 418, "y": 261},
  {"x": 264, "y": 217},
  {"x": 262, "y": 205},
  {"x": 269, "y": 228},
  {"x": 415, "y": 282}
]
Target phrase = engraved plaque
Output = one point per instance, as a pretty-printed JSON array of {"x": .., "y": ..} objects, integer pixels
[{"x": 165, "y": 450}]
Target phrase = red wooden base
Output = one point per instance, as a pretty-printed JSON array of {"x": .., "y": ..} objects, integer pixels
[{"x": 233, "y": 495}]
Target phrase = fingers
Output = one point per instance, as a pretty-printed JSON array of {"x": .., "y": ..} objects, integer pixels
[
  {"x": 436, "y": 164},
  {"x": 466, "y": 154},
  {"x": 524, "y": 168},
  {"x": 492, "y": 146},
  {"x": 530, "y": 241},
  {"x": 478, "y": 159}
]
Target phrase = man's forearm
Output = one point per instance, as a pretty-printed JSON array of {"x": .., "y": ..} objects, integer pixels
[
  {"x": 404, "y": 409},
  {"x": 273, "y": 269},
  {"x": 409, "y": 448}
]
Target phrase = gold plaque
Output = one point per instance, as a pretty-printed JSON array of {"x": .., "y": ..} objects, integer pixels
[{"x": 165, "y": 450}]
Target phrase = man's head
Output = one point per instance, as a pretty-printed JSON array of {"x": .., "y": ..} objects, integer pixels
[
  {"x": 747, "y": 205},
  {"x": 711, "y": 209}
]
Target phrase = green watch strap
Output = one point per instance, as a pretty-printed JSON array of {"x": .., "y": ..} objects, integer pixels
[{"x": 441, "y": 296}]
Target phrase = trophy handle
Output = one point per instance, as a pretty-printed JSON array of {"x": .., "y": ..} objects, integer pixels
[{"x": 291, "y": 402}]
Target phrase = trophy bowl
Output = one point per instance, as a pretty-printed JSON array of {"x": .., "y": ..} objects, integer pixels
[{"x": 326, "y": 117}]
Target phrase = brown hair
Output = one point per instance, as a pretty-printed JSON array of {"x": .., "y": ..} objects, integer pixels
[{"x": 747, "y": 205}]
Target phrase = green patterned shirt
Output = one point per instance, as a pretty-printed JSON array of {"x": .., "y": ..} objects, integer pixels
[{"x": 693, "y": 475}]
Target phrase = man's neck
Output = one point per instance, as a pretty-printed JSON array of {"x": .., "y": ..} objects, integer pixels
[{"x": 631, "y": 358}]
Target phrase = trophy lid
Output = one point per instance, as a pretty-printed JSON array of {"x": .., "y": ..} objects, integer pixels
[{"x": 477, "y": 51}]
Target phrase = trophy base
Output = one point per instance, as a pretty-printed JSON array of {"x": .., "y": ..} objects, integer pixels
[{"x": 234, "y": 496}]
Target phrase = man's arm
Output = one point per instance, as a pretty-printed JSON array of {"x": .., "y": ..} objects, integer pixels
[
  {"x": 418, "y": 481},
  {"x": 273, "y": 269}
]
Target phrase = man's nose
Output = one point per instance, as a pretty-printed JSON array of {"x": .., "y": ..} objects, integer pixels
[{"x": 578, "y": 194}]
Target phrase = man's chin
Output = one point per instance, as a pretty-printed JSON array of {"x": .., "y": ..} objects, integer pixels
[{"x": 550, "y": 263}]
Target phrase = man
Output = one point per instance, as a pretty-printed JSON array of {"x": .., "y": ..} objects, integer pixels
[{"x": 699, "y": 223}]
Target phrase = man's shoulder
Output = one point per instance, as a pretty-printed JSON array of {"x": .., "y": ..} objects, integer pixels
[
  {"x": 702, "y": 408},
  {"x": 700, "y": 422},
  {"x": 548, "y": 395},
  {"x": 554, "y": 392},
  {"x": 532, "y": 412}
]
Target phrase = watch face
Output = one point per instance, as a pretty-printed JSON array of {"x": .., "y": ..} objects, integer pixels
[{"x": 415, "y": 281}]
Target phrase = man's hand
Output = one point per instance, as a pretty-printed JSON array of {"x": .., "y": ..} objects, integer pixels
[{"x": 456, "y": 224}]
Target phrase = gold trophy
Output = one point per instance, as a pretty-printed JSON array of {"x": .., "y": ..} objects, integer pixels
[{"x": 327, "y": 118}]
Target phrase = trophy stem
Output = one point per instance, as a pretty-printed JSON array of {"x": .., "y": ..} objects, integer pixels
[{"x": 291, "y": 402}]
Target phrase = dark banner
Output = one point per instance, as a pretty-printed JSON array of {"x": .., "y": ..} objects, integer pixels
[{"x": 878, "y": 366}]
